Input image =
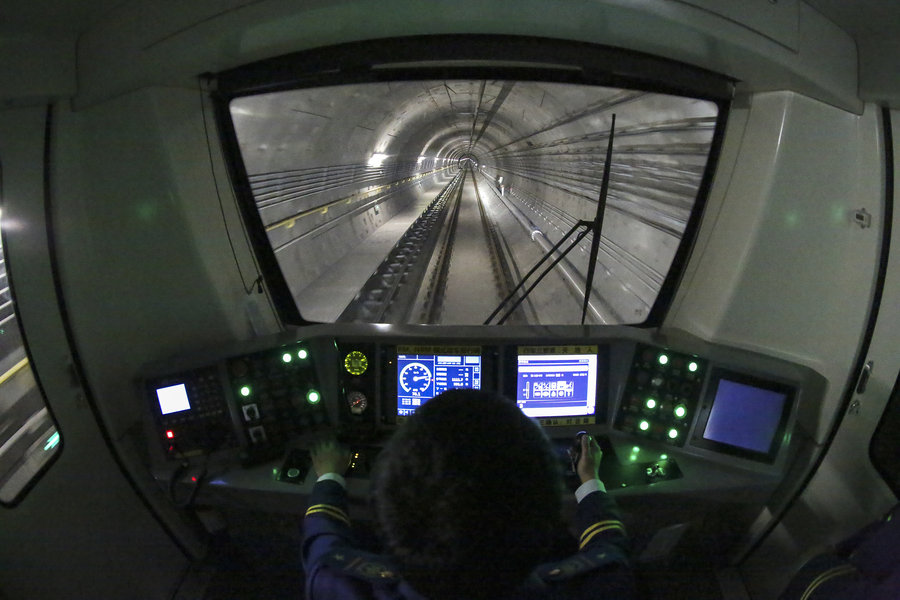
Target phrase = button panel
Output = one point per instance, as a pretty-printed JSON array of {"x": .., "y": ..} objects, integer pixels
[
  {"x": 196, "y": 419},
  {"x": 278, "y": 397},
  {"x": 661, "y": 395}
]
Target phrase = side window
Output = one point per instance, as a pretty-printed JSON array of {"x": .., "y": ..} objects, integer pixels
[{"x": 28, "y": 436}]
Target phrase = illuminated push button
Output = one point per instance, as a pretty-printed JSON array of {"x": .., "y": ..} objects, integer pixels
[
  {"x": 245, "y": 391},
  {"x": 692, "y": 367},
  {"x": 663, "y": 359},
  {"x": 313, "y": 397},
  {"x": 302, "y": 354},
  {"x": 293, "y": 472},
  {"x": 680, "y": 411},
  {"x": 650, "y": 403},
  {"x": 673, "y": 433},
  {"x": 644, "y": 425},
  {"x": 287, "y": 357}
]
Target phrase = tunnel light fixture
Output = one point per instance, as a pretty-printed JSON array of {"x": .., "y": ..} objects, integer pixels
[{"x": 377, "y": 159}]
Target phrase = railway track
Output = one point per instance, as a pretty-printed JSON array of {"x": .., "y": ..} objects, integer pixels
[{"x": 450, "y": 267}]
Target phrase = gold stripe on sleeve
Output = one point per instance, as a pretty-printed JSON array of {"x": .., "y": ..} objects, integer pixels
[
  {"x": 329, "y": 510},
  {"x": 585, "y": 541},
  {"x": 605, "y": 525}
]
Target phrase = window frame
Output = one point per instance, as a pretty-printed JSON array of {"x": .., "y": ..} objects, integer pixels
[{"x": 476, "y": 56}]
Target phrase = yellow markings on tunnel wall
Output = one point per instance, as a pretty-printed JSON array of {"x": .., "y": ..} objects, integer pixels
[
  {"x": 18, "y": 367},
  {"x": 289, "y": 221}
]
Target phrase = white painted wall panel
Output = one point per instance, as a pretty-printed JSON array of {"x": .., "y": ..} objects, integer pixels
[{"x": 784, "y": 269}]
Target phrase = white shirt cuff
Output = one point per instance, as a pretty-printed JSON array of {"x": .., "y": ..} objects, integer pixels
[
  {"x": 588, "y": 487},
  {"x": 333, "y": 477}
]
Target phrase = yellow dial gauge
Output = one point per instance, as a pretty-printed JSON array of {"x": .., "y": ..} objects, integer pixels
[{"x": 356, "y": 362}]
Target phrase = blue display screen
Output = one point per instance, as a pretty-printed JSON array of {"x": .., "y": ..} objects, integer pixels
[
  {"x": 556, "y": 385},
  {"x": 421, "y": 377},
  {"x": 745, "y": 416}
]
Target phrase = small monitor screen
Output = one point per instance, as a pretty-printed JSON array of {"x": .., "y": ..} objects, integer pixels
[
  {"x": 747, "y": 416},
  {"x": 173, "y": 398},
  {"x": 558, "y": 381},
  {"x": 423, "y": 372}
]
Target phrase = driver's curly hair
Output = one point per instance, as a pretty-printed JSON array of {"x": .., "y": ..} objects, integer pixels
[{"x": 467, "y": 495}]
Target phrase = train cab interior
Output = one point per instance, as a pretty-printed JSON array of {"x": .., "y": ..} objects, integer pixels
[{"x": 233, "y": 228}]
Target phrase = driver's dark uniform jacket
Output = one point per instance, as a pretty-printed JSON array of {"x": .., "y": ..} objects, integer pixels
[{"x": 336, "y": 568}]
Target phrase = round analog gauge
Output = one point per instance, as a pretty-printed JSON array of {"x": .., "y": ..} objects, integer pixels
[
  {"x": 415, "y": 378},
  {"x": 358, "y": 402},
  {"x": 356, "y": 363}
]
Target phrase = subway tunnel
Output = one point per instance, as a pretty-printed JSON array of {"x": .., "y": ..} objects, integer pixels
[{"x": 393, "y": 201}]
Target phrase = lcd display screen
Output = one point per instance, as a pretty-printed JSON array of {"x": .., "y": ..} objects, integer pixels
[
  {"x": 745, "y": 416},
  {"x": 173, "y": 398},
  {"x": 557, "y": 381},
  {"x": 423, "y": 373}
]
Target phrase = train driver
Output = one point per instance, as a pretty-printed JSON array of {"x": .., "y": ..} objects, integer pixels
[{"x": 467, "y": 497}]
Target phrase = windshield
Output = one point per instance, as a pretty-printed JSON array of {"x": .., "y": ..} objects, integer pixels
[{"x": 434, "y": 201}]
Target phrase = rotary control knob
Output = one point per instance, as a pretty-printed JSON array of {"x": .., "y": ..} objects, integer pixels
[{"x": 357, "y": 402}]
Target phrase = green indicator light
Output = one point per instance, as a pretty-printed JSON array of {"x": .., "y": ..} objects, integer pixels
[
  {"x": 651, "y": 403},
  {"x": 245, "y": 391},
  {"x": 635, "y": 450},
  {"x": 287, "y": 357},
  {"x": 663, "y": 457},
  {"x": 275, "y": 472},
  {"x": 663, "y": 359},
  {"x": 302, "y": 354},
  {"x": 692, "y": 367},
  {"x": 644, "y": 425},
  {"x": 632, "y": 458},
  {"x": 52, "y": 441},
  {"x": 673, "y": 433},
  {"x": 680, "y": 411},
  {"x": 313, "y": 397}
]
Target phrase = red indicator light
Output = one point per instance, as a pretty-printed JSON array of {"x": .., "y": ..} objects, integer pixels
[
  {"x": 170, "y": 434},
  {"x": 194, "y": 479}
]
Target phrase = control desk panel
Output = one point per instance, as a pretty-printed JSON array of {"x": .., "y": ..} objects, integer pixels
[{"x": 673, "y": 412}]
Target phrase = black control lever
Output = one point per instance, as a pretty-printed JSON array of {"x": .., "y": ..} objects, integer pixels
[{"x": 575, "y": 450}]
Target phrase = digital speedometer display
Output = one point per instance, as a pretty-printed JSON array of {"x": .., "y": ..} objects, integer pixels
[{"x": 423, "y": 372}]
